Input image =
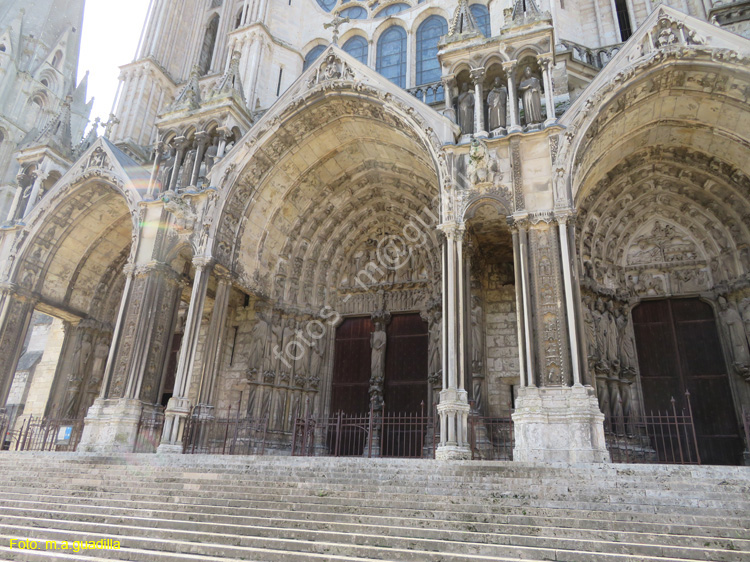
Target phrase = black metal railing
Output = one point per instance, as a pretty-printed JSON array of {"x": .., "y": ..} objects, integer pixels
[
  {"x": 40, "y": 434},
  {"x": 377, "y": 433},
  {"x": 224, "y": 435},
  {"x": 491, "y": 438},
  {"x": 148, "y": 434},
  {"x": 662, "y": 437}
]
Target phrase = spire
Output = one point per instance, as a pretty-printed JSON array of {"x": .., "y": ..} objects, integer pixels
[
  {"x": 190, "y": 97},
  {"x": 231, "y": 83},
  {"x": 525, "y": 10},
  {"x": 57, "y": 132},
  {"x": 463, "y": 25}
]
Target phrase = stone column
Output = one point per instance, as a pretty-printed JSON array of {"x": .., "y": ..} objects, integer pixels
[
  {"x": 178, "y": 408},
  {"x": 570, "y": 308},
  {"x": 213, "y": 347},
  {"x": 181, "y": 143},
  {"x": 136, "y": 360},
  {"x": 39, "y": 177},
  {"x": 201, "y": 139},
  {"x": 510, "y": 70},
  {"x": 23, "y": 182},
  {"x": 449, "y": 82},
  {"x": 454, "y": 403},
  {"x": 557, "y": 419},
  {"x": 158, "y": 153},
  {"x": 521, "y": 309},
  {"x": 477, "y": 77},
  {"x": 224, "y": 134},
  {"x": 15, "y": 315},
  {"x": 545, "y": 62}
]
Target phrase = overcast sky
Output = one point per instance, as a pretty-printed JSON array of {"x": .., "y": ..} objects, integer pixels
[{"x": 110, "y": 37}]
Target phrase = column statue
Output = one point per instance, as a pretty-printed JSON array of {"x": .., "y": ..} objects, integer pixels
[
  {"x": 466, "y": 110},
  {"x": 497, "y": 105},
  {"x": 434, "y": 363},
  {"x": 258, "y": 341},
  {"x": 735, "y": 337},
  {"x": 531, "y": 97}
]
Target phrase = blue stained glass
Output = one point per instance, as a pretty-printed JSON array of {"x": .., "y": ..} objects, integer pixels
[
  {"x": 392, "y": 9},
  {"x": 327, "y": 5},
  {"x": 357, "y": 47},
  {"x": 482, "y": 16},
  {"x": 392, "y": 55},
  {"x": 312, "y": 55},
  {"x": 354, "y": 13},
  {"x": 428, "y": 35}
]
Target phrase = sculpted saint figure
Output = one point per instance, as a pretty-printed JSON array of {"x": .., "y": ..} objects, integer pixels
[
  {"x": 613, "y": 344},
  {"x": 497, "y": 105},
  {"x": 531, "y": 96},
  {"x": 466, "y": 110},
  {"x": 434, "y": 363},
  {"x": 734, "y": 332},
  {"x": 377, "y": 363},
  {"x": 258, "y": 342}
]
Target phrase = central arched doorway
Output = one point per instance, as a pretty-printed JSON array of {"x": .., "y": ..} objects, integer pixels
[{"x": 331, "y": 228}]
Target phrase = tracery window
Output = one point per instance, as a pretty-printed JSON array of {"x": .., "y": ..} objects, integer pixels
[
  {"x": 312, "y": 55},
  {"x": 482, "y": 16},
  {"x": 327, "y": 5},
  {"x": 392, "y": 9},
  {"x": 392, "y": 55},
  {"x": 357, "y": 47},
  {"x": 428, "y": 35},
  {"x": 354, "y": 13}
]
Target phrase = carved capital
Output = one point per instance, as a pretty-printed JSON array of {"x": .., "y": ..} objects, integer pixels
[
  {"x": 203, "y": 262},
  {"x": 510, "y": 66},
  {"x": 544, "y": 61},
  {"x": 477, "y": 75}
]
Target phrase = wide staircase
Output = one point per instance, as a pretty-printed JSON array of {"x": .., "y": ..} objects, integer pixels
[{"x": 214, "y": 508}]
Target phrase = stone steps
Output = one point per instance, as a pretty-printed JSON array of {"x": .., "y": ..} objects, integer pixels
[{"x": 289, "y": 509}]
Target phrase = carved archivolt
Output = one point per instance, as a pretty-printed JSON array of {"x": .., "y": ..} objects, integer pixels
[
  {"x": 294, "y": 220},
  {"x": 666, "y": 221}
]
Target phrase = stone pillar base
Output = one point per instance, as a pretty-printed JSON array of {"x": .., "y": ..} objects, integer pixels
[
  {"x": 559, "y": 425},
  {"x": 111, "y": 426},
  {"x": 453, "y": 410},
  {"x": 175, "y": 417}
]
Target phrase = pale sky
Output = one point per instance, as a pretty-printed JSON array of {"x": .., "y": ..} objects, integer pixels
[{"x": 110, "y": 37}]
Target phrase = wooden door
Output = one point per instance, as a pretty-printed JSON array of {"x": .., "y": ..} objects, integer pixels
[
  {"x": 405, "y": 392},
  {"x": 679, "y": 349},
  {"x": 351, "y": 367},
  {"x": 406, "y": 364}
]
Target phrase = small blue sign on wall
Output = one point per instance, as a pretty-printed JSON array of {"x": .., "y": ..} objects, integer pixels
[{"x": 63, "y": 435}]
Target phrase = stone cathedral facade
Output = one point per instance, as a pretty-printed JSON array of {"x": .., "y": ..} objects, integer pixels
[{"x": 539, "y": 207}]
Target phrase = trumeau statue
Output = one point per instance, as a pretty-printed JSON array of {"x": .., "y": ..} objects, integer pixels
[
  {"x": 466, "y": 110},
  {"x": 377, "y": 364},
  {"x": 531, "y": 96},
  {"x": 497, "y": 105},
  {"x": 734, "y": 332}
]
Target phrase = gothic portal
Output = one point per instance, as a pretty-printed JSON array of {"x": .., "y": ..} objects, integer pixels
[{"x": 467, "y": 209}]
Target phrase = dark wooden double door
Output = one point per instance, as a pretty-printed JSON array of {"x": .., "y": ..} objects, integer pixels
[
  {"x": 405, "y": 388},
  {"x": 679, "y": 350}
]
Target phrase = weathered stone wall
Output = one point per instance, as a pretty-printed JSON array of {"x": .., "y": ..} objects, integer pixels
[{"x": 501, "y": 343}]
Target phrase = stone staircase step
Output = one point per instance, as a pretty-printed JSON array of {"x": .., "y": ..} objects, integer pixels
[{"x": 184, "y": 507}]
